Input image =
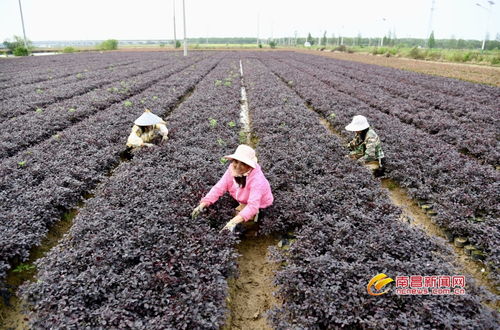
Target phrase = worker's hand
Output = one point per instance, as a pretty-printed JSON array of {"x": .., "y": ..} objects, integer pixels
[
  {"x": 149, "y": 145},
  {"x": 232, "y": 223},
  {"x": 164, "y": 138},
  {"x": 196, "y": 212}
]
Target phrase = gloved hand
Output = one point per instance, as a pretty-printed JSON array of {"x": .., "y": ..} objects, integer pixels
[
  {"x": 164, "y": 138},
  {"x": 149, "y": 145},
  {"x": 196, "y": 212},
  {"x": 232, "y": 223}
]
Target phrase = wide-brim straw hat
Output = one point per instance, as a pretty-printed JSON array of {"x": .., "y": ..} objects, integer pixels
[
  {"x": 244, "y": 154},
  {"x": 148, "y": 118},
  {"x": 358, "y": 123}
]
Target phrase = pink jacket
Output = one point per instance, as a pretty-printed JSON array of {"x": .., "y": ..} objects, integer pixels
[{"x": 256, "y": 194}]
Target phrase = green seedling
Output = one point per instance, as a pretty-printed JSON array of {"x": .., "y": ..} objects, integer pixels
[
  {"x": 227, "y": 83},
  {"x": 223, "y": 160},
  {"x": 231, "y": 124},
  {"x": 332, "y": 115},
  {"x": 71, "y": 110},
  {"x": 213, "y": 122},
  {"x": 127, "y": 103},
  {"x": 38, "y": 110},
  {"x": 143, "y": 101},
  {"x": 21, "y": 163},
  {"x": 56, "y": 136},
  {"x": 23, "y": 267},
  {"x": 290, "y": 82},
  {"x": 218, "y": 82},
  {"x": 79, "y": 76},
  {"x": 155, "y": 97},
  {"x": 221, "y": 142},
  {"x": 242, "y": 137},
  {"x": 39, "y": 91}
]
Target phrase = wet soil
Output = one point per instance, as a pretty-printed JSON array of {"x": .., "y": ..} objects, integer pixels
[{"x": 251, "y": 293}]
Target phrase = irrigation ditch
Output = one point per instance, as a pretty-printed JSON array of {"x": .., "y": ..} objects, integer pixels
[
  {"x": 13, "y": 310},
  {"x": 420, "y": 215},
  {"x": 251, "y": 292}
]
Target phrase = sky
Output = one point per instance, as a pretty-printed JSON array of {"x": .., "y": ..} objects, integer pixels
[{"x": 153, "y": 19}]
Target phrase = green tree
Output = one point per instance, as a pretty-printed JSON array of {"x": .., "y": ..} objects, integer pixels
[
  {"x": 17, "y": 46},
  {"x": 310, "y": 39},
  {"x": 110, "y": 44},
  {"x": 431, "y": 42},
  {"x": 177, "y": 44},
  {"x": 324, "y": 39}
]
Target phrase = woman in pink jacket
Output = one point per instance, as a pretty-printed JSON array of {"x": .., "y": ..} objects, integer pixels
[{"x": 247, "y": 185}]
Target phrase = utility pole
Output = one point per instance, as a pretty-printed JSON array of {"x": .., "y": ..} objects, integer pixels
[
  {"x": 258, "y": 29},
  {"x": 24, "y": 32},
  {"x": 184, "y": 20},
  {"x": 175, "y": 35},
  {"x": 491, "y": 3},
  {"x": 429, "y": 28}
]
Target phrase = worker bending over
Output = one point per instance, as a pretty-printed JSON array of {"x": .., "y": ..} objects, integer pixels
[
  {"x": 366, "y": 146},
  {"x": 148, "y": 129},
  {"x": 247, "y": 185}
]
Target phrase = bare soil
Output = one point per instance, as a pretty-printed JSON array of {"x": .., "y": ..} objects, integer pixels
[
  {"x": 480, "y": 74},
  {"x": 410, "y": 210},
  {"x": 251, "y": 293}
]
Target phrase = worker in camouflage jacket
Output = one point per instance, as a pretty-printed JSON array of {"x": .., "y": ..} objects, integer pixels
[
  {"x": 147, "y": 129},
  {"x": 366, "y": 147}
]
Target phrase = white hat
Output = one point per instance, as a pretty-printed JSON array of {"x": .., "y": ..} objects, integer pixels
[
  {"x": 148, "y": 118},
  {"x": 358, "y": 123},
  {"x": 244, "y": 154}
]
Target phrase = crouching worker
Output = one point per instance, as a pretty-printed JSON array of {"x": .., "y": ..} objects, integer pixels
[
  {"x": 148, "y": 130},
  {"x": 366, "y": 147},
  {"x": 247, "y": 185}
]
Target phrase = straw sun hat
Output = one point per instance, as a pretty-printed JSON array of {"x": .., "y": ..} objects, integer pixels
[
  {"x": 148, "y": 118},
  {"x": 358, "y": 123},
  {"x": 244, "y": 154}
]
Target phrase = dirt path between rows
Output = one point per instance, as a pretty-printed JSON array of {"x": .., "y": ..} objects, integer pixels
[
  {"x": 418, "y": 218},
  {"x": 251, "y": 293},
  {"x": 488, "y": 75}
]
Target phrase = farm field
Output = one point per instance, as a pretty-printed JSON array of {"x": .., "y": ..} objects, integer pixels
[
  {"x": 134, "y": 258},
  {"x": 481, "y": 74}
]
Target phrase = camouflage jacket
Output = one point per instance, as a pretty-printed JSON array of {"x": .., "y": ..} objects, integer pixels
[{"x": 368, "y": 150}]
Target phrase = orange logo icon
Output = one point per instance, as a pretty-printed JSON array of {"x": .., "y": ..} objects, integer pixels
[{"x": 379, "y": 282}]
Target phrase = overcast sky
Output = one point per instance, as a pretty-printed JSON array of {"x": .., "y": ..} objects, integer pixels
[{"x": 153, "y": 19}]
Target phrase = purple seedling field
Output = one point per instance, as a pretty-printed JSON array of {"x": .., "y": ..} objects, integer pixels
[
  {"x": 349, "y": 230},
  {"x": 26, "y": 130},
  {"x": 52, "y": 176},
  {"x": 134, "y": 257},
  {"x": 459, "y": 187}
]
